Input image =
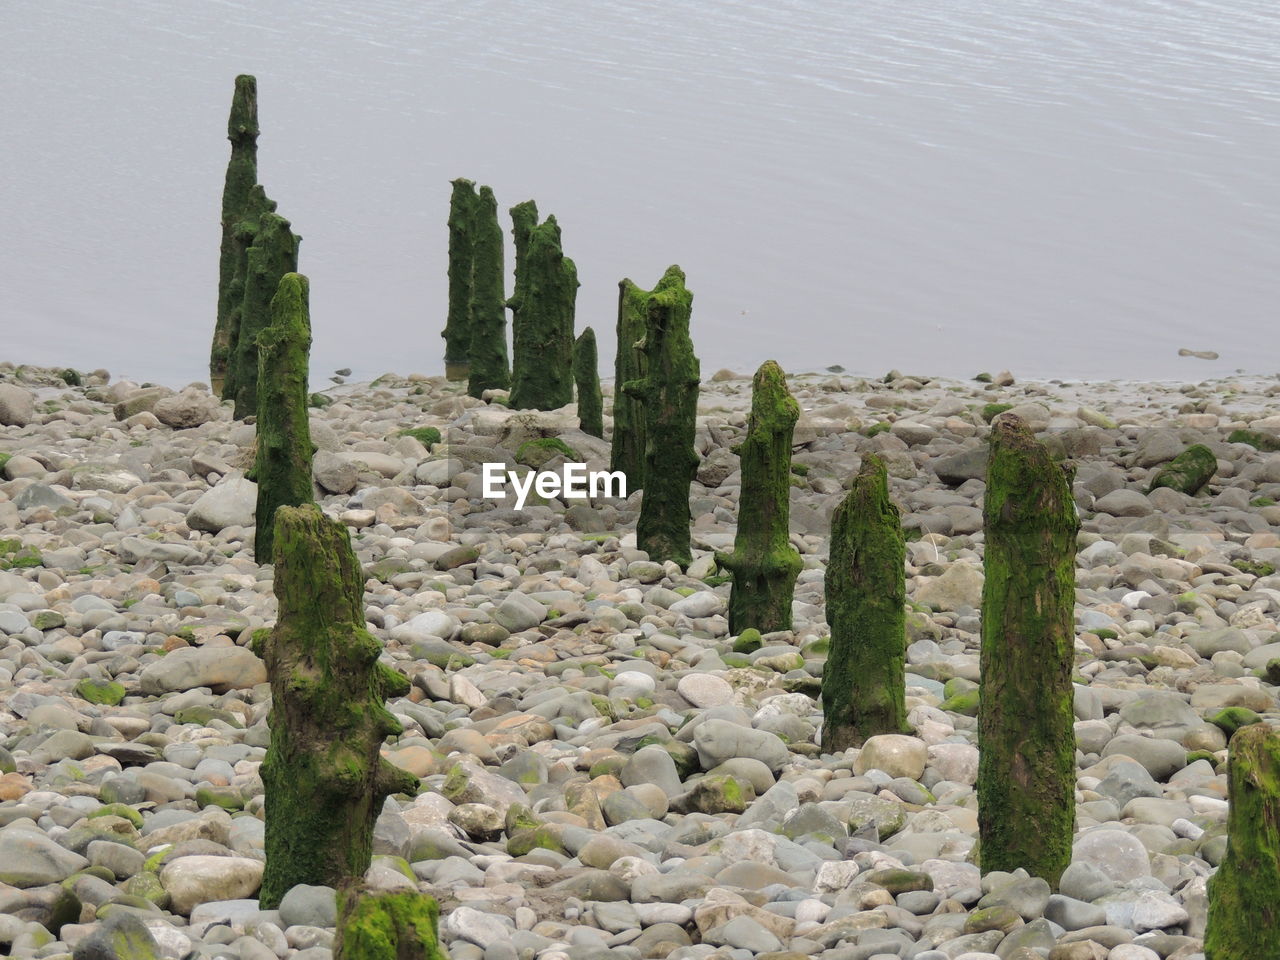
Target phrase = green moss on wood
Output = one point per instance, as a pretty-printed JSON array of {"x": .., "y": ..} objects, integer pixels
[
  {"x": 325, "y": 780},
  {"x": 864, "y": 680},
  {"x": 242, "y": 176},
  {"x": 667, "y": 396},
  {"x": 282, "y": 467},
  {"x": 1188, "y": 472},
  {"x": 488, "y": 368},
  {"x": 1026, "y": 738},
  {"x": 1244, "y": 894},
  {"x": 272, "y": 254},
  {"x": 586, "y": 378},
  {"x": 626, "y": 451},
  {"x": 457, "y": 326},
  {"x": 763, "y": 562},
  {"x": 542, "y": 357},
  {"x": 387, "y": 925}
]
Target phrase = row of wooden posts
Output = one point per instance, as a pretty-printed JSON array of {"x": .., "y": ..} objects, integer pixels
[{"x": 324, "y": 775}]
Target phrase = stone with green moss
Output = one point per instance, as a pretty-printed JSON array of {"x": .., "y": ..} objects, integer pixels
[
  {"x": 715, "y": 795},
  {"x": 1244, "y": 921},
  {"x": 667, "y": 397},
  {"x": 1266, "y": 442},
  {"x": 242, "y": 176},
  {"x": 537, "y": 453},
  {"x": 1231, "y": 719},
  {"x": 107, "y": 693},
  {"x": 748, "y": 641},
  {"x": 228, "y": 798},
  {"x": 897, "y": 880},
  {"x": 427, "y": 436},
  {"x": 324, "y": 776},
  {"x": 387, "y": 925},
  {"x": 763, "y": 563},
  {"x": 964, "y": 703},
  {"x": 992, "y": 410},
  {"x": 1188, "y": 472},
  {"x": 122, "y": 810}
]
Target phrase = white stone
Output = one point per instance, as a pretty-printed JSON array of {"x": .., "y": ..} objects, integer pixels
[
  {"x": 475, "y": 926},
  {"x": 894, "y": 753},
  {"x": 705, "y": 690},
  {"x": 834, "y": 876}
]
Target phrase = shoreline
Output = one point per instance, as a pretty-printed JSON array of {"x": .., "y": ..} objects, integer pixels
[{"x": 554, "y": 667}]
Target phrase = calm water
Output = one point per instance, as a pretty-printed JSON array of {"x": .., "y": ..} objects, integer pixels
[{"x": 1062, "y": 187}]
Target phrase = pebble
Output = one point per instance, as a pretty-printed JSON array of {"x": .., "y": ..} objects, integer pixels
[{"x": 686, "y": 807}]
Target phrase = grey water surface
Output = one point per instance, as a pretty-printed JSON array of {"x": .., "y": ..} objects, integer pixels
[{"x": 1070, "y": 188}]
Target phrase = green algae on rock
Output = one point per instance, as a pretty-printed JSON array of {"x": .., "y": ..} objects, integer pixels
[
  {"x": 325, "y": 780},
  {"x": 488, "y": 368},
  {"x": 1244, "y": 893},
  {"x": 542, "y": 358},
  {"x": 1026, "y": 737},
  {"x": 282, "y": 468},
  {"x": 242, "y": 176},
  {"x": 763, "y": 563},
  {"x": 387, "y": 925},
  {"x": 457, "y": 325},
  {"x": 586, "y": 377},
  {"x": 667, "y": 396},
  {"x": 626, "y": 452},
  {"x": 864, "y": 681},
  {"x": 273, "y": 253},
  {"x": 1188, "y": 472}
]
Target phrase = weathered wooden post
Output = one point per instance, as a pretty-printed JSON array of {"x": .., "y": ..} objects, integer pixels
[
  {"x": 457, "y": 325},
  {"x": 325, "y": 780},
  {"x": 487, "y": 353},
  {"x": 1026, "y": 738},
  {"x": 242, "y": 176},
  {"x": 763, "y": 562},
  {"x": 282, "y": 469},
  {"x": 864, "y": 680},
  {"x": 243, "y": 233},
  {"x": 542, "y": 361},
  {"x": 626, "y": 451},
  {"x": 387, "y": 925},
  {"x": 587, "y": 380},
  {"x": 1244, "y": 894},
  {"x": 274, "y": 253},
  {"x": 668, "y": 398}
]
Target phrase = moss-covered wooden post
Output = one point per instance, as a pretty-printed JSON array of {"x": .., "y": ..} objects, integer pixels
[
  {"x": 1244, "y": 894},
  {"x": 457, "y": 324},
  {"x": 864, "y": 681},
  {"x": 488, "y": 368},
  {"x": 668, "y": 400},
  {"x": 587, "y": 379},
  {"x": 273, "y": 254},
  {"x": 542, "y": 361},
  {"x": 325, "y": 780},
  {"x": 763, "y": 563},
  {"x": 243, "y": 234},
  {"x": 387, "y": 925},
  {"x": 626, "y": 451},
  {"x": 1026, "y": 738},
  {"x": 282, "y": 469},
  {"x": 242, "y": 175},
  {"x": 524, "y": 217}
]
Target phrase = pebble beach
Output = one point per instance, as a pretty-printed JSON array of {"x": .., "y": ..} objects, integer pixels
[{"x": 605, "y": 771}]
